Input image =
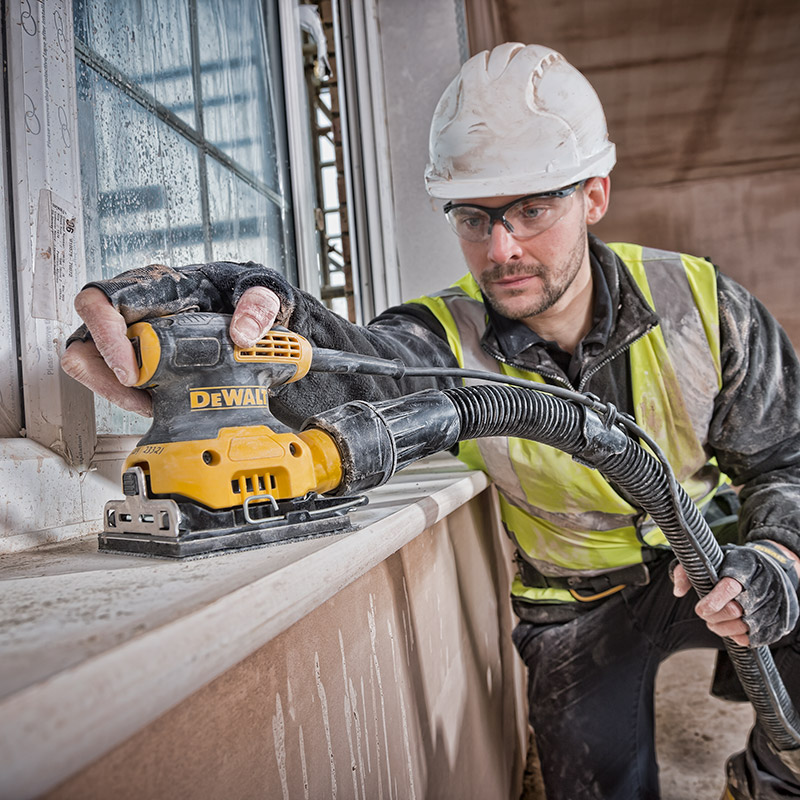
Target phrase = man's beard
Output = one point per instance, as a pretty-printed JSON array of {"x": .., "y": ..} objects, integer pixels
[{"x": 554, "y": 283}]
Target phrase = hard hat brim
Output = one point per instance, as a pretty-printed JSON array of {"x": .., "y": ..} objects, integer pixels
[{"x": 534, "y": 182}]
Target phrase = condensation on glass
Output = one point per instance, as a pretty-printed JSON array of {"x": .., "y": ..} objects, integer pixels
[{"x": 180, "y": 145}]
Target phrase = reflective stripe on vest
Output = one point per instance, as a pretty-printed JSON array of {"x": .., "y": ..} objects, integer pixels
[{"x": 564, "y": 517}]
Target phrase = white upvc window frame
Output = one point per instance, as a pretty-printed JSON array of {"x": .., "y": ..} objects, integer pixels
[
  {"x": 44, "y": 171},
  {"x": 368, "y": 174},
  {"x": 57, "y": 473},
  {"x": 49, "y": 496},
  {"x": 10, "y": 390},
  {"x": 298, "y": 135},
  {"x": 372, "y": 197}
]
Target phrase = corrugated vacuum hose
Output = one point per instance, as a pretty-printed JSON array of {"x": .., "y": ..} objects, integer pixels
[{"x": 510, "y": 411}]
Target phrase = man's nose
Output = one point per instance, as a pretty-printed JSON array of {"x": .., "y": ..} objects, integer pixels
[{"x": 502, "y": 245}]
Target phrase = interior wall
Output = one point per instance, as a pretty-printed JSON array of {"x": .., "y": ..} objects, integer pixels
[
  {"x": 423, "y": 44},
  {"x": 748, "y": 226},
  {"x": 701, "y": 101}
]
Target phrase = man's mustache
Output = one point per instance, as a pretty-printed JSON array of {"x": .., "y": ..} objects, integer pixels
[{"x": 501, "y": 271}]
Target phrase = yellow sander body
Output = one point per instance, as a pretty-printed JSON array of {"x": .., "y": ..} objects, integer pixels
[{"x": 217, "y": 471}]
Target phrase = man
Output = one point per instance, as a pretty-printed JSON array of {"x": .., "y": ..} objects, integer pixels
[{"x": 519, "y": 149}]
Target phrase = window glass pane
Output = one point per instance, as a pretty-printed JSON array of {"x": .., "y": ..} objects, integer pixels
[
  {"x": 140, "y": 181},
  {"x": 141, "y": 196},
  {"x": 155, "y": 189},
  {"x": 235, "y": 75},
  {"x": 149, "y": 41},
  {"x": 246, "y": 225}
]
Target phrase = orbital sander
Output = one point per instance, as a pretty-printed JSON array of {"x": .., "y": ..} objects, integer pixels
[{"x": 216, "y": 470}]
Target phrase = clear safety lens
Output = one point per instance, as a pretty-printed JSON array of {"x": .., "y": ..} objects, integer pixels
[{"x": 523, "y": 219}]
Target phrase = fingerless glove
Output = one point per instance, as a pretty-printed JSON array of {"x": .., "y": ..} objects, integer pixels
[{"x": 769, "y": 600}]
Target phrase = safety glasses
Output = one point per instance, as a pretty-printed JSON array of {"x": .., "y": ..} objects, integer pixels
[{"x": 523, "y": 218}]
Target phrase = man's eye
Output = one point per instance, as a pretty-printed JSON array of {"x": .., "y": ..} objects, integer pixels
[
  {"x": 532, "y": 212},
  {"x": 471, "y": 222}
]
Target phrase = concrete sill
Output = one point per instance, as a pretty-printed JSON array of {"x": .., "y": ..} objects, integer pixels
[{"x": 95, "y": 646}]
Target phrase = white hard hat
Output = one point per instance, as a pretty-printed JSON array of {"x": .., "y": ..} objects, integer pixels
[{"x": 517, "y": 120}]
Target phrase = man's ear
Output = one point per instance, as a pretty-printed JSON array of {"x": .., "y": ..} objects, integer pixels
[{"x": 597, "y": 192}]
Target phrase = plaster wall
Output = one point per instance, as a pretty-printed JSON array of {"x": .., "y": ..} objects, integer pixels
[
  {"x": 747, "y": 225},
  {"x": 421, "y": 55}
]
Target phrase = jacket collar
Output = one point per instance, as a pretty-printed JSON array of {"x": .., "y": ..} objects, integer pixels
[{"x": 621, "y": 316}]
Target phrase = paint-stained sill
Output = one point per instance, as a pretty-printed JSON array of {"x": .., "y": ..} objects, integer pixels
[{"x": 96, "y": 646}]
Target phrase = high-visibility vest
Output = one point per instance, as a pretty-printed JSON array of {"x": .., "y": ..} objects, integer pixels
[{"x": 565, "y": 518}]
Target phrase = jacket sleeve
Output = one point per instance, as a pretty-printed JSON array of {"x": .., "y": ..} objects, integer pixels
[
  {"x": 409, "y": 332},
  {"x": 755, "y": 429}
]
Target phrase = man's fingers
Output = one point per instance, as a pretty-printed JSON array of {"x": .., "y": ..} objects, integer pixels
[
  {"x": 728, "y": 613},
  {"x": 83, "y": 362},
  {"x": 722, "y": 614},
  {"x": 680, "y": 581},
  {"x": 108, "y": 332},
  {"x": 254, "y": 315},
  {"x": 725, "y": 591},
  {"x": 731, "y": 627},
  {"x": 735, "y": 629}
]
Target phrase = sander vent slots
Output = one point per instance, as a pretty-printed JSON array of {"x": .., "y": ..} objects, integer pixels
[{"x": 275, "y": 346}]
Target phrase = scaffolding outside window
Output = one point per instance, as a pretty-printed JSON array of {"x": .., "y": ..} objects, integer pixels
[{"x": 332, "y": 222}]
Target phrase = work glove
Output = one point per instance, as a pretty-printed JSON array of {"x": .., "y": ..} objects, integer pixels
[
  {"x": 157, "y": 290},
  {"x": 769, "y": 599}
]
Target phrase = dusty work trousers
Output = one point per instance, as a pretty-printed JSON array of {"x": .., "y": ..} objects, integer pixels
[{"x": 591, "y": 685}]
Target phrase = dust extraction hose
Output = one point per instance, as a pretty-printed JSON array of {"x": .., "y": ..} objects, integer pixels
[{"x": 377, "y": 439}]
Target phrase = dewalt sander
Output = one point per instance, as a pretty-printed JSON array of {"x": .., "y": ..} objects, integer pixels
[{"x": 216, "y": 470}]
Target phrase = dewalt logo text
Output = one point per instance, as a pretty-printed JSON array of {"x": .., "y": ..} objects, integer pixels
[{"x": 228, "y": 397}]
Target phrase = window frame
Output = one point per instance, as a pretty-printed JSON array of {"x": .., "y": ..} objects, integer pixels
[
  {"x": 298, "y": 135},
  {"x": 11, "y": 420},
  {"x": 376, "y": 274}
]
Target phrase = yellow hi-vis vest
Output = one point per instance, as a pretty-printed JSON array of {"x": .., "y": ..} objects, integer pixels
[{"x": 565, "y": 518}]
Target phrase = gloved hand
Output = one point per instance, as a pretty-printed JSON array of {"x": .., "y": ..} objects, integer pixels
[
  {"x": 755, "y": 601},
  {"x": 99, "y": 354},
  {"x": 769, "y": 597}
]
